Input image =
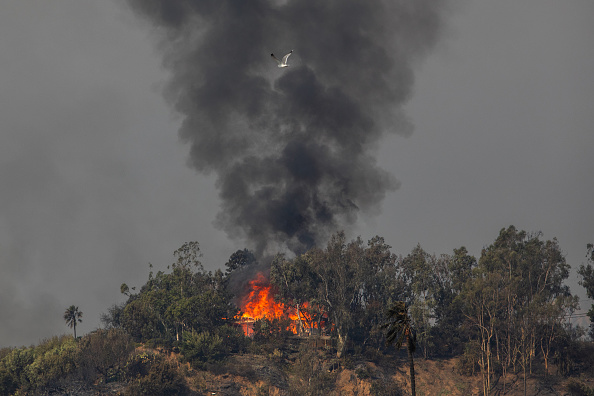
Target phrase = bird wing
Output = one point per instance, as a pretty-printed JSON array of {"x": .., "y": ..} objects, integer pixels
[
  {"x": 275, "y": 58},
  {"x": 287, "y": 57}
]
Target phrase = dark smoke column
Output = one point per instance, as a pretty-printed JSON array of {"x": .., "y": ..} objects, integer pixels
[{"x": 292, "y": 148}]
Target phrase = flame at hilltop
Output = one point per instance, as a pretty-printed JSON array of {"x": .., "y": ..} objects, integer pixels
[{"x": 259, "y": 303}]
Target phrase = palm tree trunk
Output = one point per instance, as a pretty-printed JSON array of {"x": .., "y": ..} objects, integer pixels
[{"x": 411, "y": 363}]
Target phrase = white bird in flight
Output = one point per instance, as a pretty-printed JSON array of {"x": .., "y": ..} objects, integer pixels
[{"x": 282, "y": 63}]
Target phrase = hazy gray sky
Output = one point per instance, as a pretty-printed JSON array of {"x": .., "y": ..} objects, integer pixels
[{"x": 94, "y": 181}]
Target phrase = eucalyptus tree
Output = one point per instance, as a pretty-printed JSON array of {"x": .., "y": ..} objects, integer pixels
[
  {"x": 170, "y": 304},
  {"x": 72, "y": 316},
  {"x": 451, "y": 272},
  {"x": 356, "y": 283},
  {"x": 515, "y": 291},
  {"x": 339, "y": 283},
  {"x": 349, "y": 283},
  {"x": 587, "y": 281},
  {"x": 483, "y": 301},
  {"x": 238, "y": 260},
  {"x": 296, "y": 285},
  {"x": 380, "y": 288}
]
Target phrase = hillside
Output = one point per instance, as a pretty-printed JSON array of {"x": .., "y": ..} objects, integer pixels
[
  {"x": 330, "y": 322},
  {"x": 251, "y": 374},
  {"x": 108, "y": 363},
  {"x": 259, "y": 375}
]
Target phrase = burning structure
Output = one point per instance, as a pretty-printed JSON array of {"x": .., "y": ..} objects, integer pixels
[{"x": 258, "y": 302}]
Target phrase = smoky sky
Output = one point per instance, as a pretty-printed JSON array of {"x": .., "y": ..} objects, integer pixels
[
  {"x": 94, "y": 180},
  {"x": 293, "y": 149}
]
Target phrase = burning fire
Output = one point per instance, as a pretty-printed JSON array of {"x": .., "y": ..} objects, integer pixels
[{"x": 259, "y": 303}]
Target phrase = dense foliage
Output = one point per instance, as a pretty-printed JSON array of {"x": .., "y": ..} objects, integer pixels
[
  {"x": 503, "y": 313},
  {"x": 506, "y": 312},
  {"x": 172, "y": 304},
  {"x": 102, "y": 355},
  {"x": 350, "y": 283}
]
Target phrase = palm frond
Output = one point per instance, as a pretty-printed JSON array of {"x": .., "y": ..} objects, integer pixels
[{"x": 399, "y": 327}]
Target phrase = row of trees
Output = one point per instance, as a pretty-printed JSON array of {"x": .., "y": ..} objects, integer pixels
[
  {"x": 188, "y": 308},
  {"x": 516, "y": 305},
  {"x": 351, "y": 283},
  {"x": 508, "y": 311},
  {"x": 170, "y": 304},
  {"x": 503, "y": 312},
  {"x": 512, "y": 302}
]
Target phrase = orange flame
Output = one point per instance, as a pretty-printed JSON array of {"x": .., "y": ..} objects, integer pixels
[{"x": 259, "y": 303}]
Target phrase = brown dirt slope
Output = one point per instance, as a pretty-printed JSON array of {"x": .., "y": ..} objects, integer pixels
[
  {"x": 250, "y": 374},
  {"x": 257, "y": 375}
]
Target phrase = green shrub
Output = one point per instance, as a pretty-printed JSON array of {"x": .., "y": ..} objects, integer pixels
[
  {"x": 103, "y": 355},
  {"x": 53, "y": 362},
  {"x": 362, "y": 372},
  {"x": 240, "y": 368},
  {"x": 233, "y": 339},
  {"x": 12, "y": 369},
  {"x": 200, "y": 348},
  {"x": 8, "y": 381},
  {"x": 34, "y": 368},
  {"x": 150, "y": 374},
  {"x": 310, "y": 377},
  {"x": 15, "y": 364},
  {"x": 468, "y": 363},
  {"x": 4, "y": 352}
]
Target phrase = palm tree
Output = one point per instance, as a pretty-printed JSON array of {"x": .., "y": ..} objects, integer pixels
[
  {"x": 71, "y": 316},
  {"x": 400, "y": 330}
]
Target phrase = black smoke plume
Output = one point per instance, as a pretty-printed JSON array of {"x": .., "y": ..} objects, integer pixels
[{"x": 293, "y": 148}]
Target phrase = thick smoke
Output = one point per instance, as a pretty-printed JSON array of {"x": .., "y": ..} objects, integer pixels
[{"x": 292, "y": 148}]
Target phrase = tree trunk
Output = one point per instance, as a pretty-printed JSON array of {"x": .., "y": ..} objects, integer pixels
[
  {"x": 300, "y": 329},
  {"x": 411, "y": 363},
  {"x": 524, "y": 378},
  {"x": 342, "y": 342}
]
